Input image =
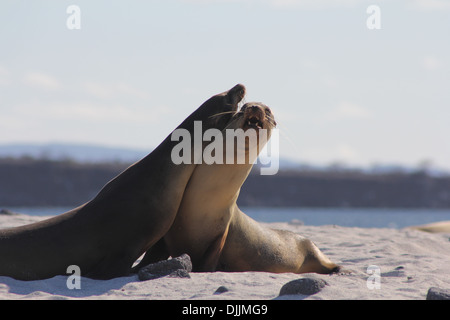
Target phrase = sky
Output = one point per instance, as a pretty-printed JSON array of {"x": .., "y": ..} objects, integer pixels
[{"x": 341, "y": 92}]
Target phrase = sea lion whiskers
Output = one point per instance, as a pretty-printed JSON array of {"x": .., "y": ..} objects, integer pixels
[
  {"x": 220, "y": 116},
  {"x": 271, "y": 120},
  {"x": 223, "y": 113},
  {"x": 286, "y": 137}
]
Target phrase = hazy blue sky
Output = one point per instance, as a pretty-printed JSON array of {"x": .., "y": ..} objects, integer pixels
[{"x": 136, "y": 69}]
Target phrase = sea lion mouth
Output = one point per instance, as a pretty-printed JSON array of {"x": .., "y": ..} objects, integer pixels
[
  {"x": 254, "y": 117},
  {"x": 254, "y": 122}
]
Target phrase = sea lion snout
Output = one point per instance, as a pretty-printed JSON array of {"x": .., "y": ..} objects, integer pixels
[
  {"x": 257, "y": 116},
  {"x": 236, "y": 94},
  {"x": 254, "y": 117}
]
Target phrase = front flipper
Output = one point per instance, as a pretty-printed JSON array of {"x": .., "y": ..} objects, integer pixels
[{"x": 156, "y": 253}]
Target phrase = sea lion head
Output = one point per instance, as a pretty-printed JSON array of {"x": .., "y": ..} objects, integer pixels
[
  {"x": 256, "y": 116},
  {"x": 253, "y": 123},
  {"x": 222, "y": 107},
  {"x": 217, "y": 111}
]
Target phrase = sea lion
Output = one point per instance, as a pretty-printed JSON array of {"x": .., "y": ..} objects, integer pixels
[
  {"x": 435, "y": 227},
  {"x": 105, "y": 236},
  {"x": 218, "y": 236}
]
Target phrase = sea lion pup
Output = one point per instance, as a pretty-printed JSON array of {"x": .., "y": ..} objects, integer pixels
[
  {"x": 105, "y": 236},
  {"x": 217, "y": 235}
]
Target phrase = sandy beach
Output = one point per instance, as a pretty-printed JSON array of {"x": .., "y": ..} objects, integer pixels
[{"x": 406, "y": 263}]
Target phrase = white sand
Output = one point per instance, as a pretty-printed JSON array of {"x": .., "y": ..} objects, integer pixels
[{"x": 424, "y": 259}]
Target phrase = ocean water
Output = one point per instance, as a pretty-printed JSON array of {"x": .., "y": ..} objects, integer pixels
[{"x": 348, "y": 217}]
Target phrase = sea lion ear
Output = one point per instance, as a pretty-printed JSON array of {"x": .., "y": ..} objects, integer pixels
[{"x": 236, "y": 94}]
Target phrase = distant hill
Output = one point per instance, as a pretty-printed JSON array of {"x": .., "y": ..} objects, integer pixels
[
  {"x": 76, "y": 152},
  {"x": 354, "y": 189},
  {"x": 43, "y": 182},
  {"x": 85, "y": 153},
  {"x": 31, "y": 182},
  {"x": 71, "y": 174}
]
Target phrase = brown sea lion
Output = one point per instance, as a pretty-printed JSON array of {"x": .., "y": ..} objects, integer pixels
[
  {"x": 217, "y": 235},
  {"x": 105, "y": 236}
]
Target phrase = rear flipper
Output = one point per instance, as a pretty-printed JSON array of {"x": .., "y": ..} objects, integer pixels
[{"x": 316, "y": 261}]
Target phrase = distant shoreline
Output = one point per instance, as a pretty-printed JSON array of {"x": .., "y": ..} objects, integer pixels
[{"x": 31, "y": 182}]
